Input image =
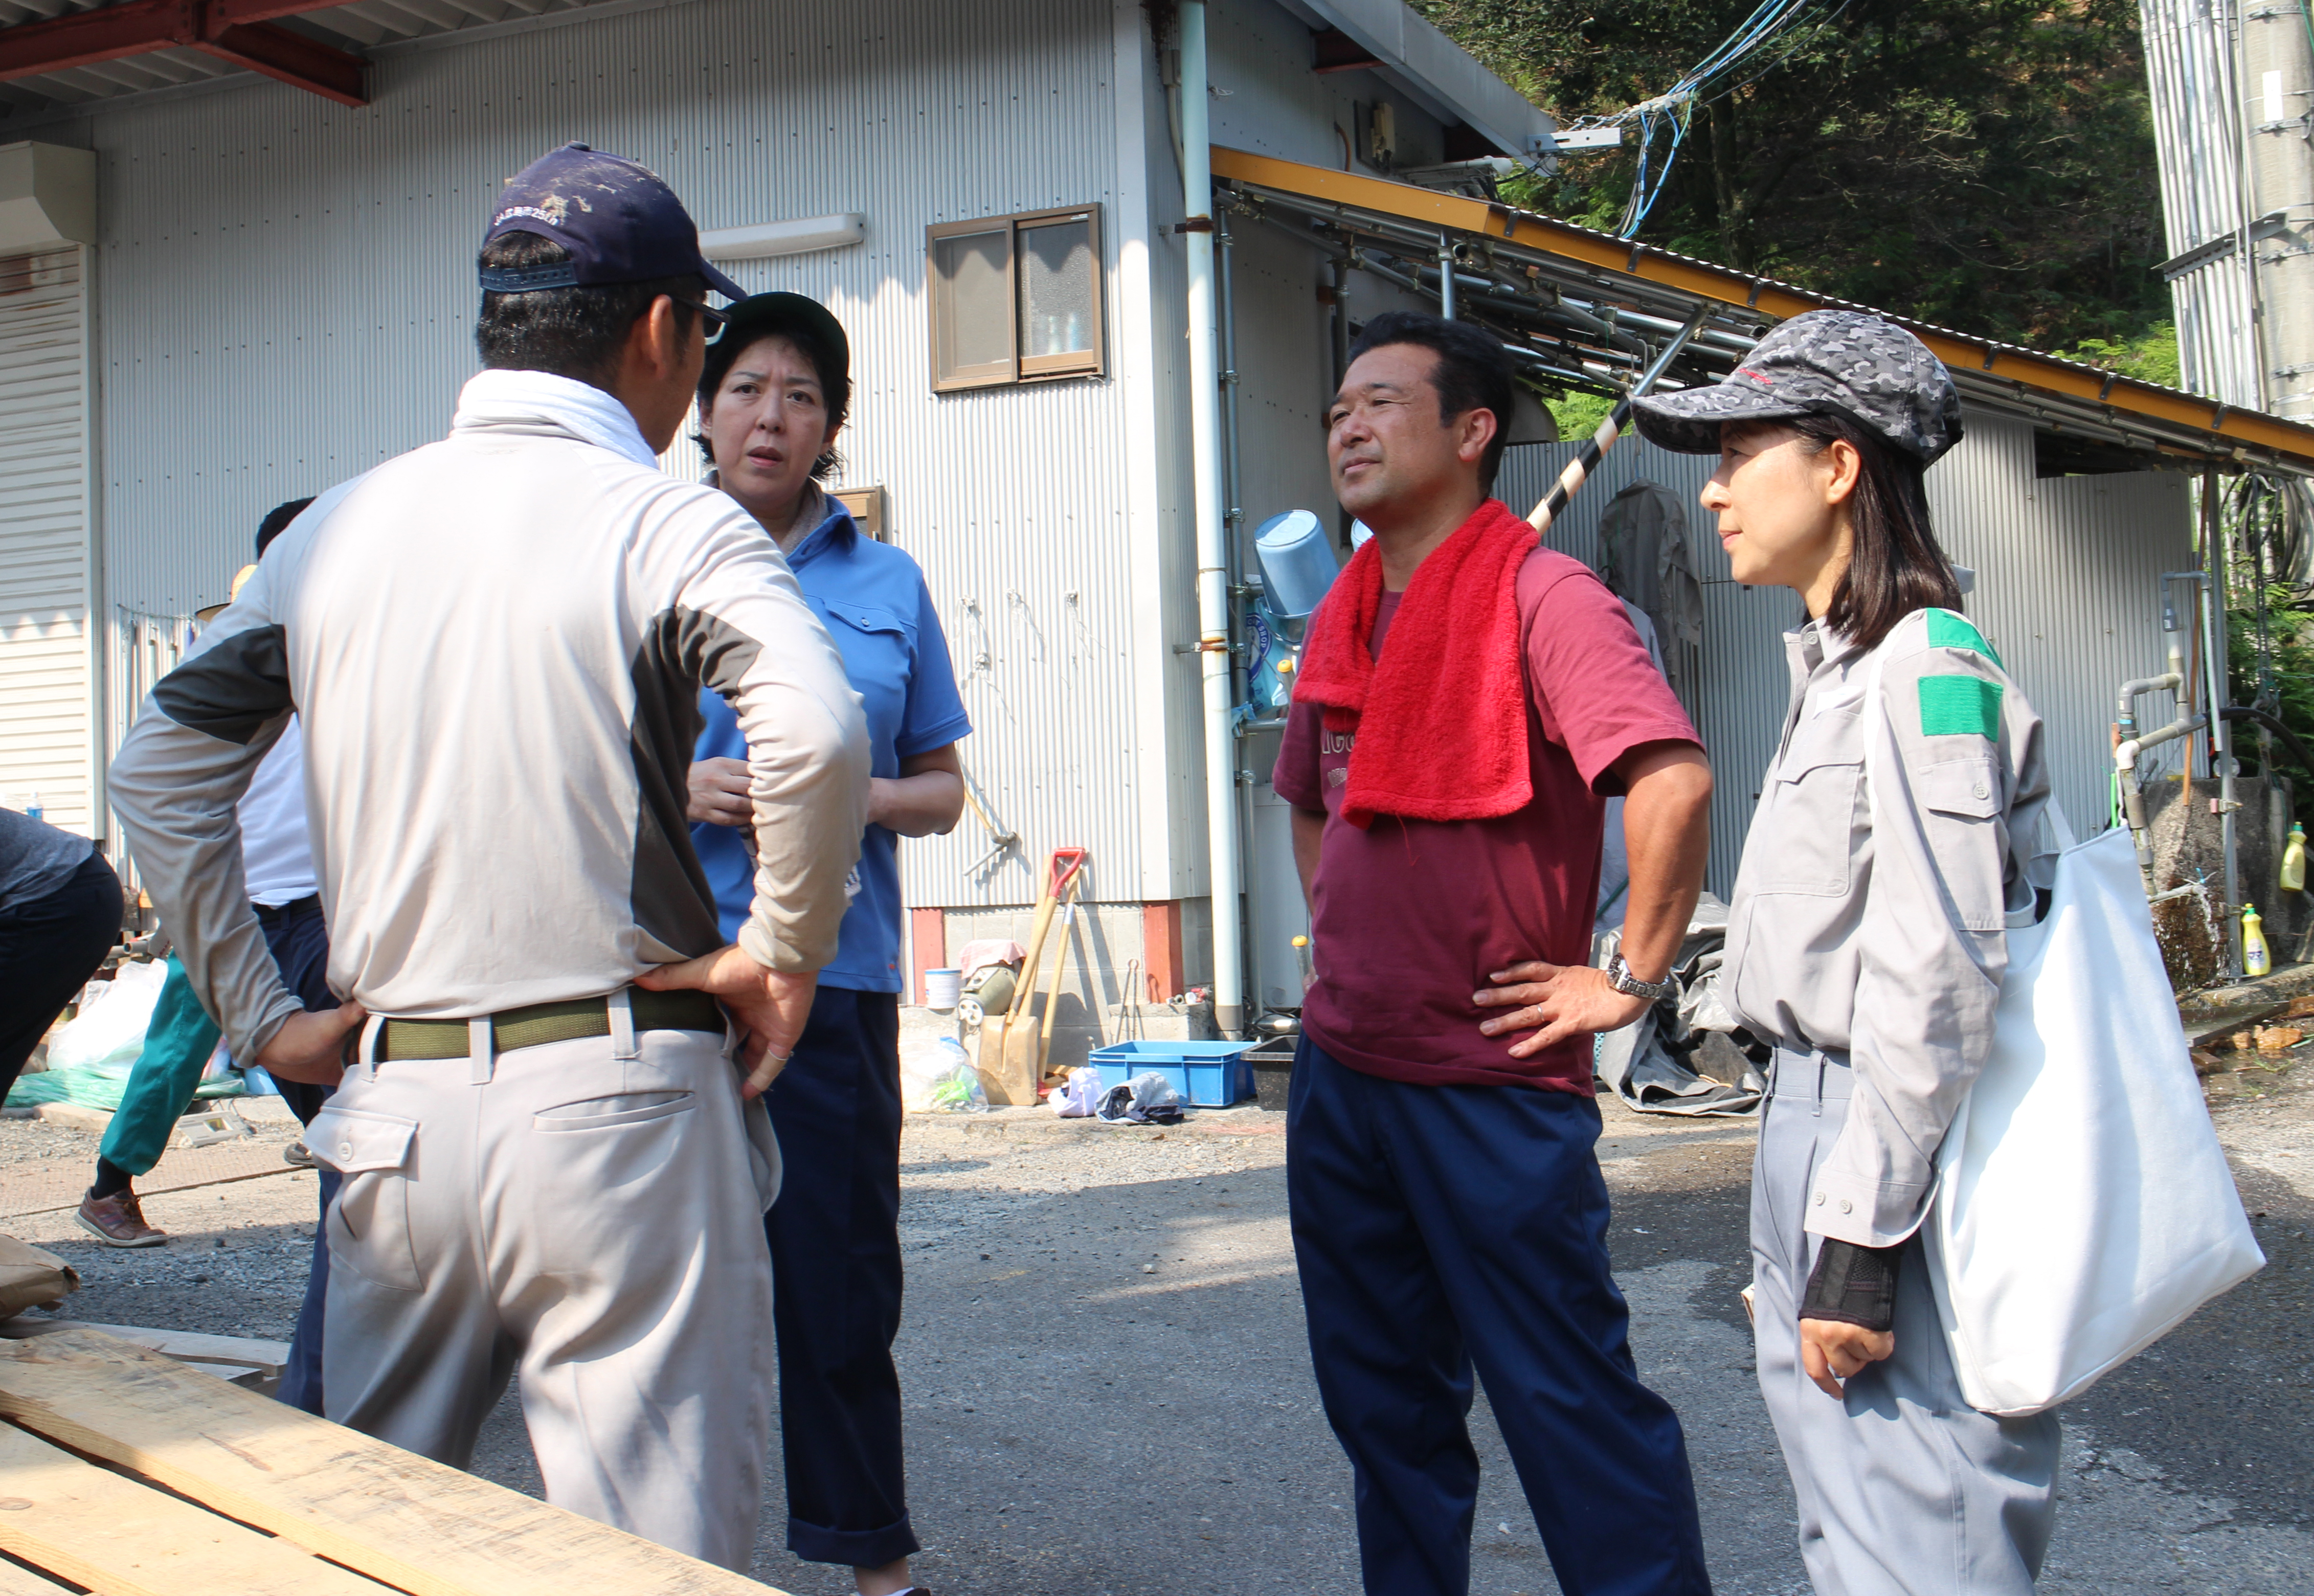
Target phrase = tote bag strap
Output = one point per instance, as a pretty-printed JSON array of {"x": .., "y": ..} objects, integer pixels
[
  {"x": 1876, "y": 721},
  {"x": 2053, "y": 816}
]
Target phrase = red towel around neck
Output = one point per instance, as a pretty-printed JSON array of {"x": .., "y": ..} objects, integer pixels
[{"x": 1441, "y": 718}]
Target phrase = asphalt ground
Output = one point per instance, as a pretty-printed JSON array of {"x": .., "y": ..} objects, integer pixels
[{"x": 1109, "y": 1395}]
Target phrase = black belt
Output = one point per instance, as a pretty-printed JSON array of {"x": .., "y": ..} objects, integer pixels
[
  {"x": 402, "y": 1039},
  {"x": 268, "y": 914}
]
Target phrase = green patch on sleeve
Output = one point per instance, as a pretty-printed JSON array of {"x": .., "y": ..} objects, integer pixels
[
  {"x": 1948, "y": 630},
  {"x": 1954, "y": 706}
]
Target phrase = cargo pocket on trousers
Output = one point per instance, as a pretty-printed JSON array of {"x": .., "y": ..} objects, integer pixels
[{"x": 369, "y": 1225}]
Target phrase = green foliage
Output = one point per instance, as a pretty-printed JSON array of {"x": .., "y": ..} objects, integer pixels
[
  {"x": 1981, "y": 164},
  {"x": 2151, "y": 357},
  {"x": 2292, "y": 628},
  {"x": 1579, "y": 415}
]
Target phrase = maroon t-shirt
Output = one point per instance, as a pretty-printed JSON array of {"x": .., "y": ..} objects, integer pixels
[{"x": 1410, "y": 916}]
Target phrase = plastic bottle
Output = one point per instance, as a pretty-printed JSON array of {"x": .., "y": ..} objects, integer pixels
[
  {"x": 2293, "y": 861},
  {"x": 36, "y": 810},
  {"x": 2255, "y": 960}
]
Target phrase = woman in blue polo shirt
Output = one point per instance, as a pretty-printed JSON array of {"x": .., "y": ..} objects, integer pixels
[{"x": 772, "y": 400}]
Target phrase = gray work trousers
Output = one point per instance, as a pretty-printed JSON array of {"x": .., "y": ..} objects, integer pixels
[
  {"x": 590, "y": 1213},
  {"x": 1903, "y": 1488}
]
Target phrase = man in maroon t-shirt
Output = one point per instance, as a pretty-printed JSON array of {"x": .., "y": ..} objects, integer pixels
[{"x": 1447, "y": 1205}]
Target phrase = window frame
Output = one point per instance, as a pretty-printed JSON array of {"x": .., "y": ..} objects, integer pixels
[{"x": 1017, "y": 369}]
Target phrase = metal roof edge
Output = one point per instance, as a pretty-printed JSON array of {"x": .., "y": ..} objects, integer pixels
[
  {"x": 32, "y": 120},
  {"x": 1705, "y": 279},
  {"x": 1431, "y": 66}
]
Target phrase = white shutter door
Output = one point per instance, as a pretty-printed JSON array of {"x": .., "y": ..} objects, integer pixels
[{"x": 44, "y": 537}]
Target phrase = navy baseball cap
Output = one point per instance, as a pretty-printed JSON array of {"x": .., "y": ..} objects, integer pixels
[{"x": 619, "y": 222}]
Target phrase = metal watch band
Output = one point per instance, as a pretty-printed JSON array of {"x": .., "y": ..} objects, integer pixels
[{"x": 1620, "y": 977}]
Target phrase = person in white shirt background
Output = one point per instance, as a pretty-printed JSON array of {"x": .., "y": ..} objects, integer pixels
[{"x": 277, "y": 864}]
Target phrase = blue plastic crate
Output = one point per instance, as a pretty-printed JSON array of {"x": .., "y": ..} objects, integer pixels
[{"x": 1207, "y": 1074}]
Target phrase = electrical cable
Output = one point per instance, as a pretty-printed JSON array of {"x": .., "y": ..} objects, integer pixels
[{"x": 1673, "y": 111}]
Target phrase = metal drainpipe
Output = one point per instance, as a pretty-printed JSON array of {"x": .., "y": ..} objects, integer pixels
[
  {"x": 2215, "y": 657},
  {"x": 1234, "y": 505},
  {"x": 1213, "y": 549},
  {"x": 1341, "y": 328},
  {"x": 1233, "y": 520}
]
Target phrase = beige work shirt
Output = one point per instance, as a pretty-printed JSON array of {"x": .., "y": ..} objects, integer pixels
[{"x": 1889, "y": 944}]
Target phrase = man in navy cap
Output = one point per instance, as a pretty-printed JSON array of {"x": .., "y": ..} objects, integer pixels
[{"x": 495, "y": 645}]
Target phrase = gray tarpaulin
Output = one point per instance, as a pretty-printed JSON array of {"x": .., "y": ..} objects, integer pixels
[{"x": 1652, "y": 1064}]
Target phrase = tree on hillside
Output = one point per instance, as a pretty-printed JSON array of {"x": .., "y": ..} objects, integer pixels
[{"x": 1984, "y": 164}]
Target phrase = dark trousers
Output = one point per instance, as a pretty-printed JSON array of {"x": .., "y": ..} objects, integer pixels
[
  {"x": 1439, "y": 1228},
  {"x": 299, "y": 940},
  {"x": 835, "y": 1269},
  {"x": 48, "y": 948}
]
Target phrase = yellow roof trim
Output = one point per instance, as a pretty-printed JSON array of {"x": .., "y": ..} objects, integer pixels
[{"x": 1776, "y": 300}]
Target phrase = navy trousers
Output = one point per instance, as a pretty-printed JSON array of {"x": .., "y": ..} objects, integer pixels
[
  {"x": 835, "y": 1269},
  {"x": 1443, "y": 1228},
  {"x": 299, "y": 940}
]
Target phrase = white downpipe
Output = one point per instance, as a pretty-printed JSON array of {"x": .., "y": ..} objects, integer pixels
[{"x": 1213, "y": 541}]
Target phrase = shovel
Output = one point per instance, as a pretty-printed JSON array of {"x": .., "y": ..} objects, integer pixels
[
  {"x": 1004, "y": 1081},
  {"x": 1043, "y": 1052}
]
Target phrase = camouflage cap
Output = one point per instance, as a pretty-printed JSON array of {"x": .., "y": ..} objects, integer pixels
[{"x": 1824, "y": 363}]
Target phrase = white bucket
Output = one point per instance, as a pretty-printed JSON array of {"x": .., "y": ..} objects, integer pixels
[
  {"x": 943, "y": 988},
  {"x": 1298, "y": 562}
]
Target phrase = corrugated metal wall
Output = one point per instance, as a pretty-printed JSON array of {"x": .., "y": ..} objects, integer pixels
[
  {"x": 2067, "y": 574},
  {"x": 287, "y": 294},
  {"x": 1286, "y": 364},
  {"x": 2067, "y": 590},
  {"x": 45, "y": 658},
  {"x": 2197, "y": 107}
]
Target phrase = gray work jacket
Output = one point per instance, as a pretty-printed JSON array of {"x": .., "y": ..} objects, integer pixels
[{"x": 1888, "y": 945}]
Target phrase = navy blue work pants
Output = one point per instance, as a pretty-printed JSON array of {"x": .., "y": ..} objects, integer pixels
[
  {"x": 835, "y": 1269},
  {"x": 299, "y": 940},
  {"x": 1440, "y": 1228}
]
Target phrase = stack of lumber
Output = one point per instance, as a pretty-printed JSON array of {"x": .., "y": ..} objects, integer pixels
[
  {"x": 126, "y": 1472},
  {"x": 242, "y": 1359}
]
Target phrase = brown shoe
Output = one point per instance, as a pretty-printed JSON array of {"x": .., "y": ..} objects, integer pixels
[{"x": 119, "y": 1220}]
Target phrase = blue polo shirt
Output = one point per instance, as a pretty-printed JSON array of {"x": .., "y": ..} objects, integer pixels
[{"x": 871, "y": 598}]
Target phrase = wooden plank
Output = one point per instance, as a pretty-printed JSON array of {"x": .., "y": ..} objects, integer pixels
[
  {"x": 121, "y": 1539},
  {"x": 397, "y": 1517},
  {"x": 22, "y": 1582},
  {"x": 249, "y": 1351}
]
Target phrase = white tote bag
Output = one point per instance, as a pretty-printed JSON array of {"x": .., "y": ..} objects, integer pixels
[{"x": 2083, "y": 1208}]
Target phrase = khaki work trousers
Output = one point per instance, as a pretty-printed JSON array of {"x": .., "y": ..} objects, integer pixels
[{"x": 588, "y": 1213}]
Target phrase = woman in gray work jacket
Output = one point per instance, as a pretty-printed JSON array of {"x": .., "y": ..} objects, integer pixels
[{"x": 1866, "y": 940}]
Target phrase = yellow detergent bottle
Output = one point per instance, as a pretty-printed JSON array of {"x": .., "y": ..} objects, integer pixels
[
  {"x": 2255, "y": 960},
  {"x": 2293, "y": 861}
]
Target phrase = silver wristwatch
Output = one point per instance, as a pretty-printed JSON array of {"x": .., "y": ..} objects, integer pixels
[{"x": 1620, "y": 977}]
